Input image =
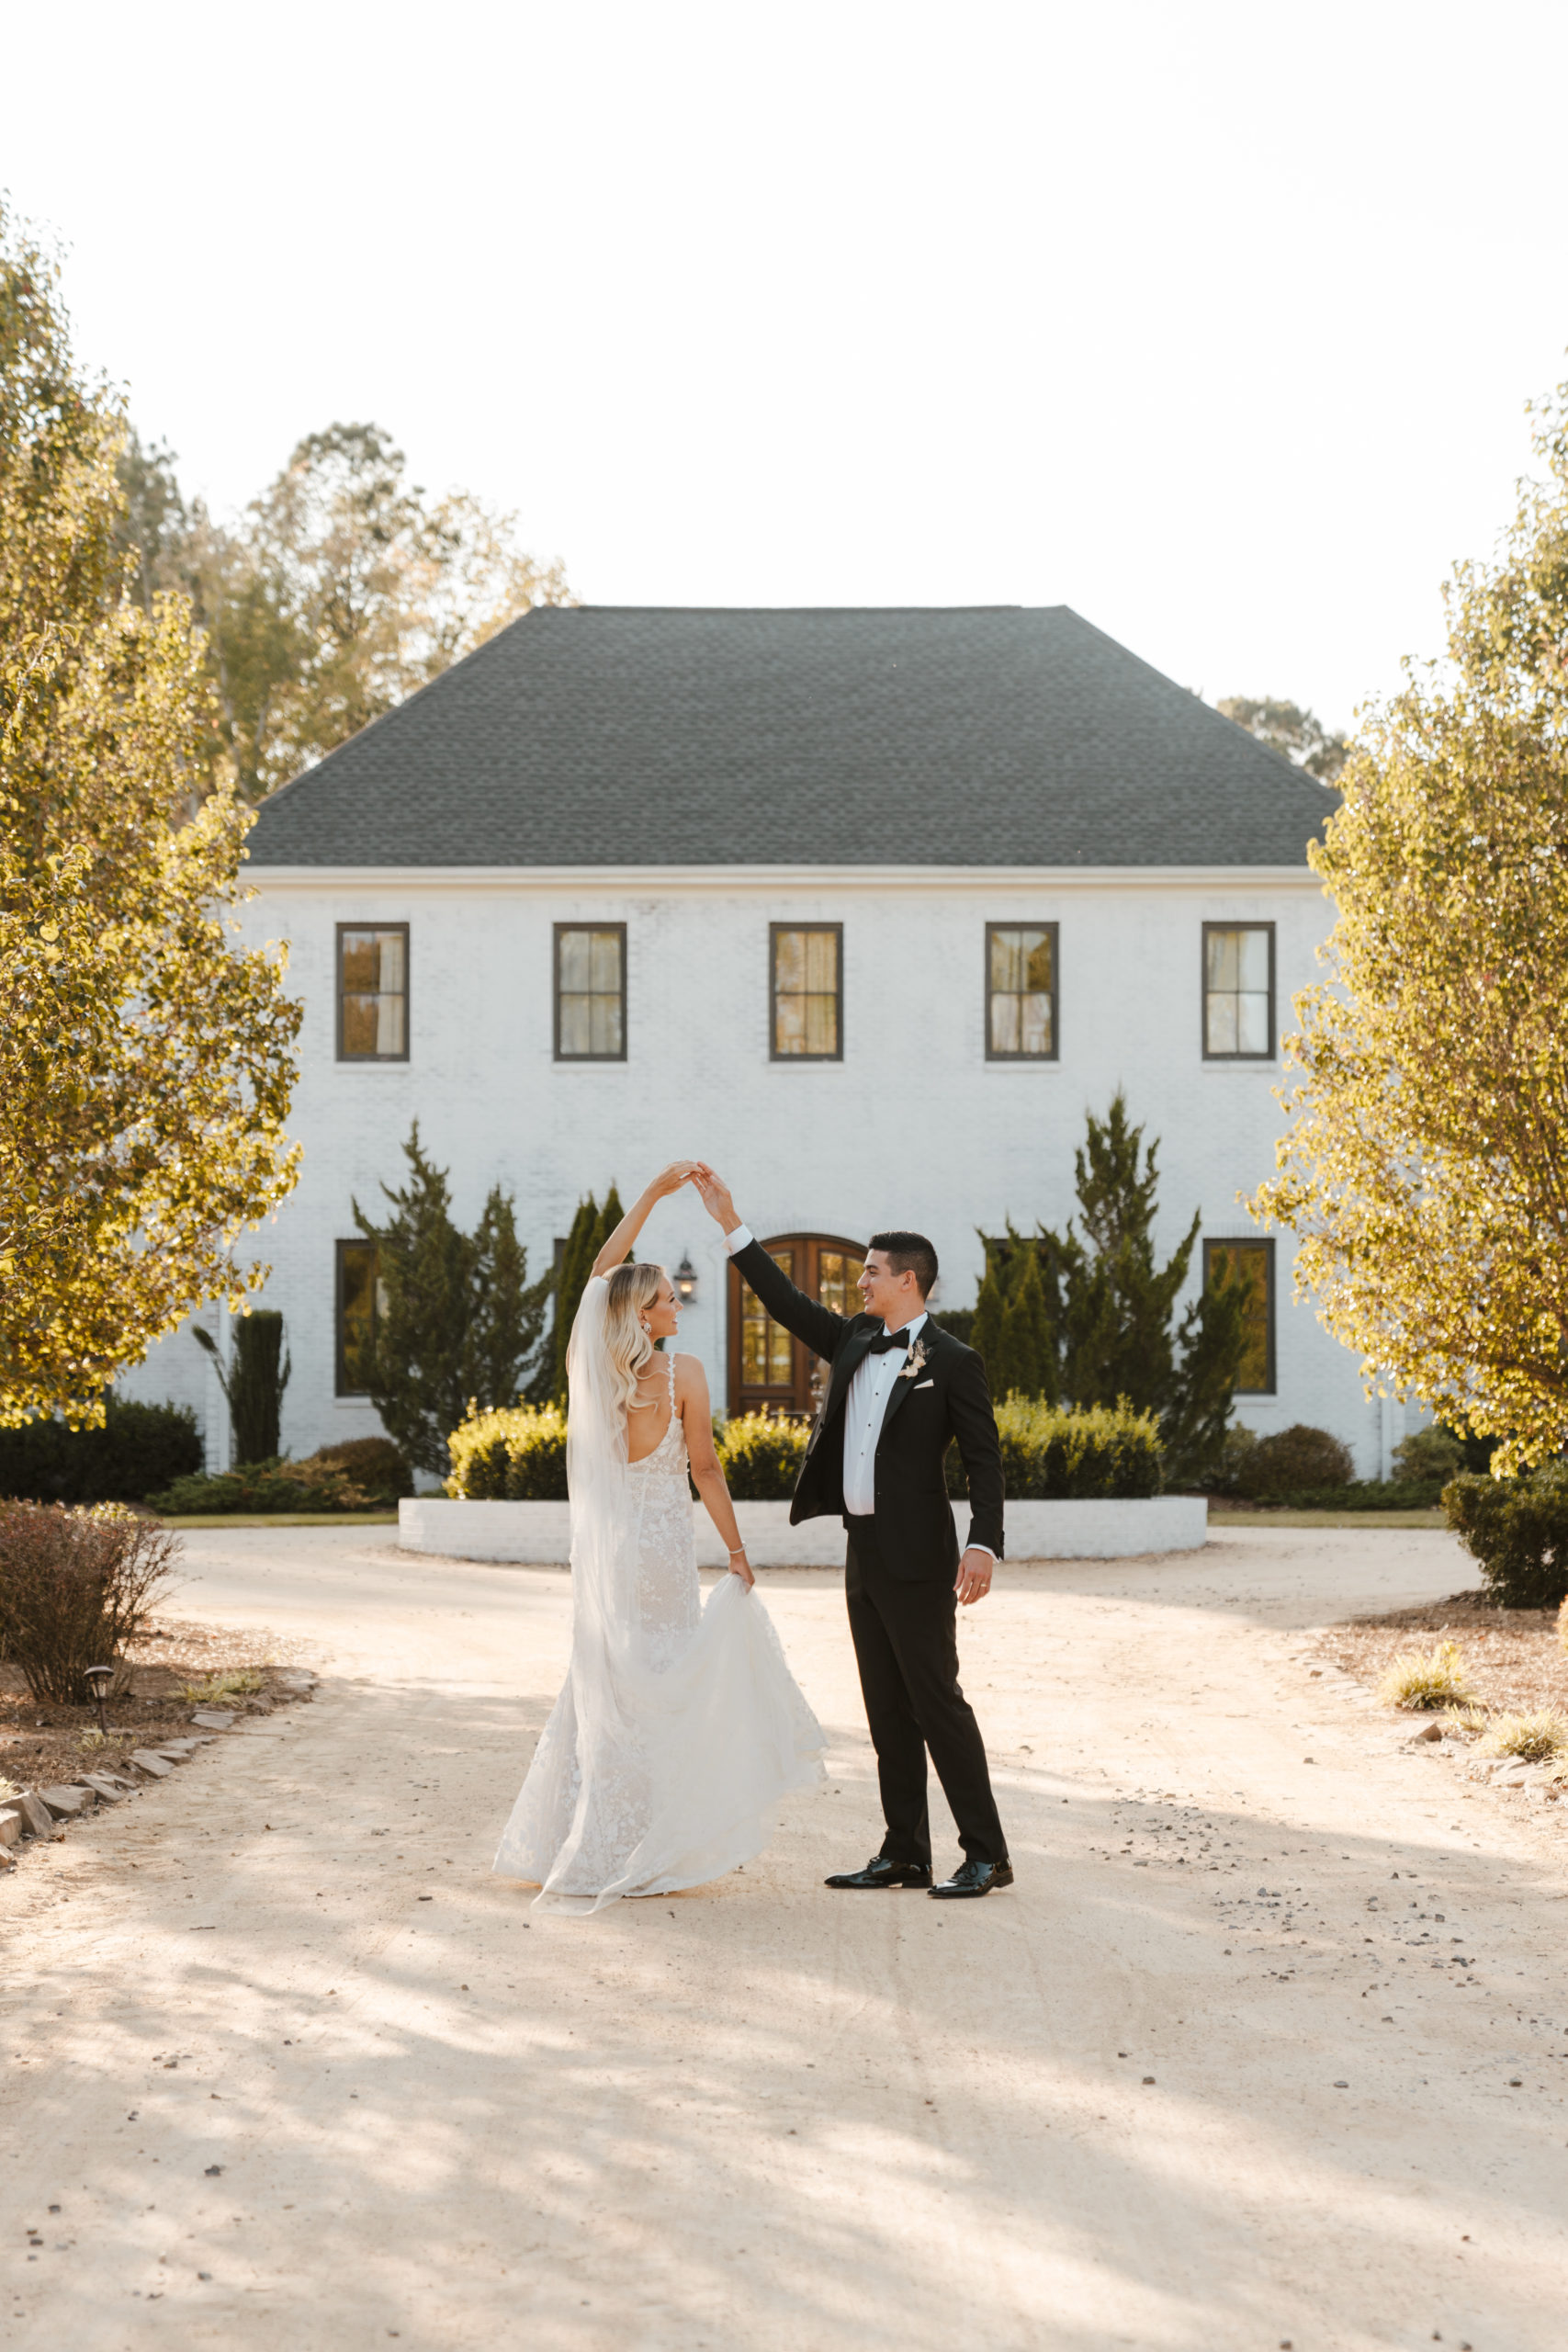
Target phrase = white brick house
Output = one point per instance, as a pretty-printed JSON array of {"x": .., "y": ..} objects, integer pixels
[{"x": 868, "y": 908}]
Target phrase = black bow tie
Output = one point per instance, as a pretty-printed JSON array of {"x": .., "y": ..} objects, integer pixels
[{"x": 885, "y": 1340}]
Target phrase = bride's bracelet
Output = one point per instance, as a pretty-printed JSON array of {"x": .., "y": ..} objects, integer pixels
[{"x": 739, "y": 1553}]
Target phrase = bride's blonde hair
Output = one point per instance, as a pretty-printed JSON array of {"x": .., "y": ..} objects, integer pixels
[{"x": 632, "y": 1289}]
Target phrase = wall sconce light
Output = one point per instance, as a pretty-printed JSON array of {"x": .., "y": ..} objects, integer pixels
[{"x": 687, "y": 1281}]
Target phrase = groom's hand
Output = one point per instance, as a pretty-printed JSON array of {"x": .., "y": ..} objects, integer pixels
[
  {"x": 715, "y": 1197},
  {"x": 974, "y": 1578}
]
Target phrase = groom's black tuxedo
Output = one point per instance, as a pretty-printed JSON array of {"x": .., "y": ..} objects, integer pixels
[{"x": 899, "y": 1571}]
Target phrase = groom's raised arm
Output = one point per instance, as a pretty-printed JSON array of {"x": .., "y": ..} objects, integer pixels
[{"x": 806, "y": 1317}]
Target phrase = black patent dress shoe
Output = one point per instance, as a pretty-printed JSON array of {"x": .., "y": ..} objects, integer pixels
[
  {"x": 974, "y": 1877},
  {"x": 879, "y": 1871}
]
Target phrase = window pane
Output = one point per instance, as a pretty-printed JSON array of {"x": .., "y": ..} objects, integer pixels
[
  {"x": 576, "y": 1024},
  {"x": 1037, "y": 972},
  {"x": 822, "y": 1024},
  {"x": 606, "y": 958},
  {"x": 1036, "y": 1023},
  {"x": 605, "y": 1023},
  {"x": 1252, "y": 1025},
  {"x": 789, "y": 1026},
  {"x": 359, "y": 1025},
  {"x": 789, "y": 961},
  {"x": 1251, "y": 1261},
  {"x": 1005, "y": 1026},
  {"x": 1006, "y": 960},
  {"x": 836, "y": 1274},
  {"x": 575, "y": 950},
  {"x": 1252, "y": 959},
  {"x": 357, "y": 969},
  {"x": 361, "y": 1297},
  {"x": 822, "y": 960},
  {"x": 1222, "y": 959},
  {"x": 389, "y": 1022},
  {"x": 765, "y": 1360},
  {"x": 1221, "y": 1024},
  {"x": 390, "y": 961}
]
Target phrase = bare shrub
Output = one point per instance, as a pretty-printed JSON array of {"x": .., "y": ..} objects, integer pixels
[{"x": 76, "y": 1586}]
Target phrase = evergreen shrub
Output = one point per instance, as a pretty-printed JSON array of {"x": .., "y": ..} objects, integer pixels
[
  {"x": 1291, "y": 1460},
  {"x": 254, "y": 1382},
  {"x": 516, "y": 1453},
  {"x": 138, "y": 1447},
  {"x": 1096, "y": 1452},
  {"x": 1430, "y": 1454},
  {"x": 1517, "y": 1529},
  {"x": 263, "y": 1487},
  {"x": 761, "y": 1457},
  {"x": 372, "y": 1462}
]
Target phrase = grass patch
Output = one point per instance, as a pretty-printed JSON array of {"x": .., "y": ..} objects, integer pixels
[
  {"x": 282, "y": 1518},
  {"x": 1534, "y": 1739},
  {"x": 1424, "y": 1679}
]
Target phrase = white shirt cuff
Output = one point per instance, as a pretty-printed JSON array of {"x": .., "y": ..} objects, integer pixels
[{"x": 737, "y": 1241}]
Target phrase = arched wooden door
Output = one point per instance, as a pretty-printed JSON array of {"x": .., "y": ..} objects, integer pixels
[{"x": 768, "y": 1371}]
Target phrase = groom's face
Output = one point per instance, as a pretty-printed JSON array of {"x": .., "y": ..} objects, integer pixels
[{"x": 895, "y": 1297}]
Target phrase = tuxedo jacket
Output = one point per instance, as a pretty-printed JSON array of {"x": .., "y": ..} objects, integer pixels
[{"x": 948, "y": 1398}]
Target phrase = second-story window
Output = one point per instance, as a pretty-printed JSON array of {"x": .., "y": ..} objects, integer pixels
[
  {"x": 1238, "y": 991},
  {"x": 591, "y": 992},
  {"x": 806, "y": 1021},
  {"x": 1021, "y": 991},
  {"x": 372, "y": 992}
]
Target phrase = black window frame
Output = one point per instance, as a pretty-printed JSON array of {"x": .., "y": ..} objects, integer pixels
[
  {"x": 341, "y": 991},
  {"x": 1004, "y": 1054},
  {"x": 340, "y": 1255},
  {"x": 1220, "y": 923},
  {"x": 1264, "y": 1242},
  {"x": 837, "y": 930},
  {"x": 557, "y": 934}
]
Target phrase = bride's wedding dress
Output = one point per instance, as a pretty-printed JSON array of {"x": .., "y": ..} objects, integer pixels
[{"x": 680, "y": 1725}]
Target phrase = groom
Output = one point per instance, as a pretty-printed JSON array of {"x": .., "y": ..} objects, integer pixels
[{"x": 900, "y": 1388}]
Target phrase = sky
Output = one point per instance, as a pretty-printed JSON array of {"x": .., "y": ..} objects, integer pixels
[{"x": 1216, "y": 322}]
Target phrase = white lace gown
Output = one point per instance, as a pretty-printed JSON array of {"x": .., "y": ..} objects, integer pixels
[{"x": 679, "y": 1726}]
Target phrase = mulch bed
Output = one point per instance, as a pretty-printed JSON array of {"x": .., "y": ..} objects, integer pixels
[
  {"x": 42, "y": 1743},
  {"x": 1512, "y": 1657}
]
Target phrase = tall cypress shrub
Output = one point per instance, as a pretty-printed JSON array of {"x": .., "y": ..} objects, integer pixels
[
  {"x": 590, "y": 1228},
  {"x": 254, "y": 1383}
]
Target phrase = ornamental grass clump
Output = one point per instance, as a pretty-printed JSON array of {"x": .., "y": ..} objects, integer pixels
[
  {"x": 1534, "y": 1739},
  {"x": 76, "y": 1586},
  {"x": 1425, "y": 1679}
]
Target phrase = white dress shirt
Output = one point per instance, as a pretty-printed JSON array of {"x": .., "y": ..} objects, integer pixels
[{"x": 865, "y": 1409}]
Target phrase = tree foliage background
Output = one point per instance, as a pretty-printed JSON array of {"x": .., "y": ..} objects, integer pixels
[
  {"x": 1426, "y": 1170},
  {"x": 342, "y": 589},
  {"x": 590, "y": 1228},
  {"x": 1089, "y": 1318},
  {"x": 1285, "y": 727},
  {"x": 461, "y": 1319},
  {"x": 145, "y": 1060}
]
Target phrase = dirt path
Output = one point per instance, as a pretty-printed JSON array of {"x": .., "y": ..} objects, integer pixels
[{"x": 275, "y": 2022}]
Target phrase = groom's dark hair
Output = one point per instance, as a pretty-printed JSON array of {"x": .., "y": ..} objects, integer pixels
[{"x": 908, "y": 1253}]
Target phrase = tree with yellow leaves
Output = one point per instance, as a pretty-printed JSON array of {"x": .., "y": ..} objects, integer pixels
[
  {"x": 1426, "y": 1172},
  {"x": 146, "y": 1060}
]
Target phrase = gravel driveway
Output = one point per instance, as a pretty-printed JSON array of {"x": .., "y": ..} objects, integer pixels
[{"x": 1269, "y": 2044}]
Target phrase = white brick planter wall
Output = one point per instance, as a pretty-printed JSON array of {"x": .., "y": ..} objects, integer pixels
[{"x": 538, "y": 1535}]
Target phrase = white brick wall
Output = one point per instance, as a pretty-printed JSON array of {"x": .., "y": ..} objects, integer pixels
[{"x": 913, "y": 1128}]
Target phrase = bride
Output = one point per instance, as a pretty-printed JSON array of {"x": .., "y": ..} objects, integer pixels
[{"x": 679, "y": 1726}]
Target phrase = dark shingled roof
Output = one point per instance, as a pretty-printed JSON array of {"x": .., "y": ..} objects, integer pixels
[{"x": 611, "y": 735}]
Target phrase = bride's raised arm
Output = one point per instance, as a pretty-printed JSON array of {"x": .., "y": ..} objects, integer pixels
[{"x": 668, "y": 1179}]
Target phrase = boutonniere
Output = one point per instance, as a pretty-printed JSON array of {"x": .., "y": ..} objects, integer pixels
[{"x": 916, "y": 1363}]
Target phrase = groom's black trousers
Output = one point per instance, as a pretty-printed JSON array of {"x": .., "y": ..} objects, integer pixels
[{"x": 906, "y": 1649}]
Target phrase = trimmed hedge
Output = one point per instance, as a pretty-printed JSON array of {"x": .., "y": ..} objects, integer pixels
[
  {"x": 1089, "y": 1453},
  {"x": 1362, "y": 1494},
  {"x": 1517, "y": 1529},
  {"x": 371, "y": 1462},
  {"x": 516, "y": 1453},
  {"x": 258, "y": 1487},
  {"x": 1291, "y": 1461},
  {"x": 761, "y": 1457},
  {"x": 138, "y": 1447}
]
